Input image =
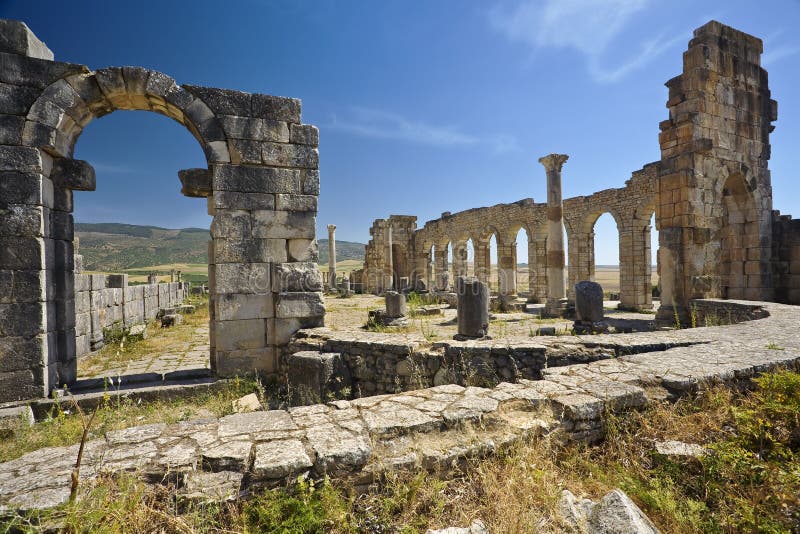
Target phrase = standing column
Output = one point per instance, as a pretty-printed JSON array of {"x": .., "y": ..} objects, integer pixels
[
  {"x": 556, "y": 301},
  {"x": 332, "y": 257},
  {"x": 390, "y": 263}
]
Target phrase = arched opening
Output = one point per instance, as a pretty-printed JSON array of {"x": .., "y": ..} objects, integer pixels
[
  {"x": 138, "y": 225},
  {"x": 522, "y": 263},
  {"x": 430, "y": 268},
  {"x": 494, "y": 276},
  {"x": 604, "y": 257},
  {"x": 654, "y": 281},
  {"x": 740, "y": 250},
  {"x": 471, "y": 267},
  {"x": 447, "y": 282}
]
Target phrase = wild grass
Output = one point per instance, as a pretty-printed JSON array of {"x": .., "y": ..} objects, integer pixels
[
  {"x": 121, "y": 349},
  {"x": 63, "y": 425},
  {"x": 749, "y": 482}
]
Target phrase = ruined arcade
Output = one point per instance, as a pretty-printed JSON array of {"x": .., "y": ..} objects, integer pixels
[{"x": 710, "y": 192}]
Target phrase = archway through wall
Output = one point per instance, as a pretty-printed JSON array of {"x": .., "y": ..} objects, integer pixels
[
  {"x": 522, "y": 264},
  {"x": 605, "y": 253},
  {"x": 739, "y": 239},
  {"x": 471, "y": 267},
  {"x": 494, "y": 272},
  {"x": 140, "y": 238}
]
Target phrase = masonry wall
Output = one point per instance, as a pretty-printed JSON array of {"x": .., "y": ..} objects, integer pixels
[
  {"x": 99, "y": 306},
  {"x": 786, "y": 256}
]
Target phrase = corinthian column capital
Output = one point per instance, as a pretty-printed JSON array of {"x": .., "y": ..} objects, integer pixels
[{"x": 553, "y": 162}]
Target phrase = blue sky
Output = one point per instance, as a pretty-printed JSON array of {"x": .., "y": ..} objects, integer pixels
[{"x": 423, "y": 107}]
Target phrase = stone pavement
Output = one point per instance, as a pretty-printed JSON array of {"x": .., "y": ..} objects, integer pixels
[
  {"x": 176, "y": 356},
  {"x": 433, "y": 428}
]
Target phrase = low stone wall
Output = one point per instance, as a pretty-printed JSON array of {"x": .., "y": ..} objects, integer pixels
[
  {"x": 715, "y": 312},
  {"x": 382, "y": 363},
  {"x": 102, "y": 300}
]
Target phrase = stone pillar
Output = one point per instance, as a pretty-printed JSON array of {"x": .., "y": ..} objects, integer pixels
[
  {"x": 459, "y": 259},
  {"x": 332, "y": 257},
  {"x": 555, "y": 234},
  {"x": 473, "y": 308},
  {"x": 389, "y": 284},
  {"x": 507, "y": 266},
  {"x": 442, "y": 270},
  {"x": 395, "y": 304},
  {"x": 482, "y": 260}
]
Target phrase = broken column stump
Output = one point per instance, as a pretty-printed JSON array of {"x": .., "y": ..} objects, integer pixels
[
  {"x": 589, "y": 308},
  {"x": 473, "y": 308}
]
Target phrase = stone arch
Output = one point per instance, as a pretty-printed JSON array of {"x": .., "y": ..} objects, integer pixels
[
  {"x": 740, "y": 243},
  {"x": 57, "y": 118},
  {"x": 262, "y": 182}
]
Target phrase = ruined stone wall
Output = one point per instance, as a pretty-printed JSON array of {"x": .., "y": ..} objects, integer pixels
[
  {"x": 389, "y": 259},
  {"x": 631, "y": 206},
  {"x": 103, "y": 300},
  {"x": 262, "y": 184},
  {"x": 714, "y": 209},
  {"x": 786, "y": 258}
]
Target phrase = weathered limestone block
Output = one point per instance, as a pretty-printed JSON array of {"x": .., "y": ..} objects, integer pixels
[
  {"x": 279, "y": 459},
  {"x": 296, "y": 277},
  {"x": 588, "y": 302},
  {"x": 17, "y": 38},
  {"x": 241, "y": 334},
  {"x": 195, "y": 182},
  {"x": 231, "y": 306},
  {"x": 283, "y": 224},
  {"x": 171, "y": 319},
  {"x": 473, "y": 307},
  {"x": 395, "y": 304},
  {"x": 73, "y": 174},
  {"x": 299, "y": 305},
  {"x": 254, "y": 179},
  {"x": 317, "y": 377},
  {"x": 302, "y": 250}
]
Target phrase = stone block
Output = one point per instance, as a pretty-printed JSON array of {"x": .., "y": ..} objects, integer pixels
[
  {"x": 195, "y": 182},
  {"x": 73, "y": 174},
  {"x": 231, "y": 224},
  {"x": 21, "y": 70},
  {"x": 117, "y": 281},
  {"x": 20, "y": 158},
  {"x": 22, "y": 286},
  {"x": 249, "y": 250},
  {"x": 278, "y": 459},
  {"x": 23, "y": 319},
  {"x": 299, "y": 305},
  {"x": 395, "y": 304},
  {"x": 244, "y": 201},
  {"x": 310, "y": 182},
  {"x": 230, "y": 307},
  {"x": 296, "y": 277},
  {"x": 255, "y": 179},
  {"x": 24, "y": 188},
  {"x": 23, "y": 220},
  {"x": 316, "y": 377},
  {"x": 276, "y": 108},
  {"x": 16, "y": 100},
  {"x": 17, "y": 38},
  {"x": 223, "y": 101},
  {"x": 472, "y": 308},
  {"x": 304, "y": 134},
  {"x": 241, "y": 334},
  {"x": 171, "y": 319},
  {"x": 283, "y": 224},
  {"x": 588, "y": 302},
  {"x": 239, "y": 362},
  {"x": 280, "y": 331},
  {"x": 288, "y": 155},
  {"x": 303, "y": 250},
  {"x": 11, "y": 127},
  {"x": 296, "y": 202},
  {"x": 23, "y": 253},
  {"x": 241, "y": 277},
  {"x": 245, "y": 151}
]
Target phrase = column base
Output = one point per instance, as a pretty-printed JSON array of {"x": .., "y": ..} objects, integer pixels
[{"x": 556, "y": 308}]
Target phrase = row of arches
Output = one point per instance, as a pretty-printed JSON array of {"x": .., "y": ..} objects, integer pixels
[{"x": 515, "y": 263}]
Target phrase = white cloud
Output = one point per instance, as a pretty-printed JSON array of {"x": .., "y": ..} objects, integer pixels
[
  {"x": 587, "y": 26},
  {"x": 378, "y": 124}
]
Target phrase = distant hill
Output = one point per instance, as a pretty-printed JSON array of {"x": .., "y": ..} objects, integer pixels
[
  {"x": 345, "y": 250},
  {"x": 113, "y": 247}
]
